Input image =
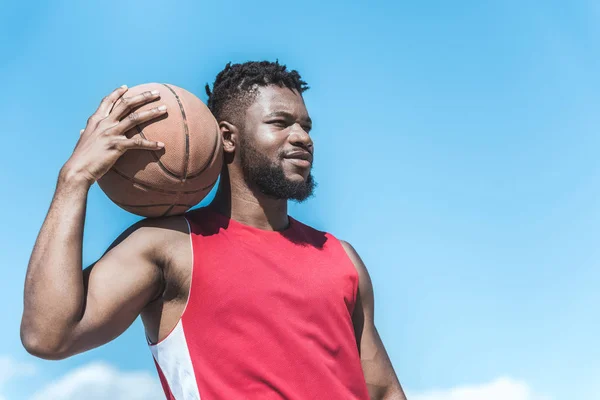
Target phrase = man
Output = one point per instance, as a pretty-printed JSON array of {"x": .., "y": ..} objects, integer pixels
[{"x": 238, "y": 300}]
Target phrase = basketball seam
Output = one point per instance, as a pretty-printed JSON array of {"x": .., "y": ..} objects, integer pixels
[
  {"x": 209, "y": 162},
  {"x": 157, "y": 159},
  {"x": 186, "y": 132},
  {"x": 155, "y": 189},
  {"x": 186, "y": 167},
  {"x": 168, "y": 211}
]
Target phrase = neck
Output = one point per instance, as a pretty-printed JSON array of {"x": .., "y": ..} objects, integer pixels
[{"x": 245, "y": 204}]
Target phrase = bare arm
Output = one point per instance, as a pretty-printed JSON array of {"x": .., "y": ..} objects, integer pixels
[
  {"x": 67, "y": 310},
  {"x": 381, "y": 379},
  {"x": 88, "y": 308}
]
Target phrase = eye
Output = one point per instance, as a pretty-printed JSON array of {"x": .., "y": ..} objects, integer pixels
[
  {"x": 307, "y": 128},
  {"x": 279, "y": 122}
]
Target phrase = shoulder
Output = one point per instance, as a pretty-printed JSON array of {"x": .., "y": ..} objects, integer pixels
[
  {"x": 155, "y": 229},
  {"x": 352, "y": 253},
  {"x": 349, "y": 249},
  {"x": 361, "y": 268},
  {"x": 159, "y": 227},
  {"x": 149, "y": 236}
]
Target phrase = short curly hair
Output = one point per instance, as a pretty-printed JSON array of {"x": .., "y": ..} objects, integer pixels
[{"x": 235, "y": 86}]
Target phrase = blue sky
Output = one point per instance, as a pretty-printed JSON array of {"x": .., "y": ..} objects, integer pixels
[{"x": 456, "y": 149}]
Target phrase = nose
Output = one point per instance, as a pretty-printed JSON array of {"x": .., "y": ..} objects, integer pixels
[{"x": 299, "y": 137}]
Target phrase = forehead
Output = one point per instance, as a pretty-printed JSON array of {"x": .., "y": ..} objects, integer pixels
[{"x": 272, "y": 99}]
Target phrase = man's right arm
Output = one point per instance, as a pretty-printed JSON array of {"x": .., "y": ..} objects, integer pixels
[{"x": 67, "y": 310}]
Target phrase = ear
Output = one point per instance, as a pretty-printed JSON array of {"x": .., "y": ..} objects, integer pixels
[{"x": 229, "y": 136}]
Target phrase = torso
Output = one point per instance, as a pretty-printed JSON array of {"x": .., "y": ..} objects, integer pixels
[
  {"x": 175, "y": 258},
  {"x": 291, "y": 293}
]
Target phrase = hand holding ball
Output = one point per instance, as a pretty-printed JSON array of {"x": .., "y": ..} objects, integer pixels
[{"x": 167, "y": 181}]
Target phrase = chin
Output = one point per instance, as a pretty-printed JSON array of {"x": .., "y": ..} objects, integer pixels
[
  {"x": 296, "y": 174},
  {"x": 297, "y": 177}
]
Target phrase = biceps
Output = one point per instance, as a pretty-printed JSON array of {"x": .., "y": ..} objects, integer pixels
[{"x": 118, "y": 287}]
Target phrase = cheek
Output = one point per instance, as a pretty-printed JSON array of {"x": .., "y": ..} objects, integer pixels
[{"x": 269, "y": 142}]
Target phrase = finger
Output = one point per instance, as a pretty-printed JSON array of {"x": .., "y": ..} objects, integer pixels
[
  {"x": 123, "y": 144},
  {"x": 105, "y": 106},
  {"x": 126, "y": 104},
  {"x": 109, "y": 101},
  {"x": 137, "y": 118}
]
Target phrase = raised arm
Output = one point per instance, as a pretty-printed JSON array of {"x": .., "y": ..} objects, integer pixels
[
  {"x": 67, "y": 310},
  {"x": 381, "y": 379}
]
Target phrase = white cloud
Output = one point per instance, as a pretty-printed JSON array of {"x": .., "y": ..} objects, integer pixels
[
  {"x": 100, "y": 381},
  {"x": 10, "y": 369},
  {"x": 499, "y": 389}
]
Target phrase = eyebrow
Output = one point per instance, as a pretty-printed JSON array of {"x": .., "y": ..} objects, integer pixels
[{"x": 286, "y": 114}]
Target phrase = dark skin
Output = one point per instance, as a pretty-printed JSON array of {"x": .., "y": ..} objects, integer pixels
[{"x": 147, "y": 270}]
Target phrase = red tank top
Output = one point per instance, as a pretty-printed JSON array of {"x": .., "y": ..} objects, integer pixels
[{"x": 268, "y": 317}]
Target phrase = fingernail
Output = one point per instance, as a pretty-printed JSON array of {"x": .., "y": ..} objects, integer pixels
[
  {"x": 162, "y": 108},
  {"x": 123, "y": 86},
  {"x": 160, "y": 144},
  {"x": 154, "y": 92}
]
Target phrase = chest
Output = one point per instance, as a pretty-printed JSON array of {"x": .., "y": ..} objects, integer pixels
[{"x": 277, "y": 275}]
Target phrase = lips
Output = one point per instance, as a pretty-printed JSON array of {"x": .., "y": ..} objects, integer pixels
[{"x": 300, "y": 155}]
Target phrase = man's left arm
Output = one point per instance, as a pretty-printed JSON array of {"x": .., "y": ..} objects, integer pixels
[{"x": 381, "y": 379}]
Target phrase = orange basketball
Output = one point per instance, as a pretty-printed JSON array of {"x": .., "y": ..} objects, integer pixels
[{"x": 171, "y": 180}]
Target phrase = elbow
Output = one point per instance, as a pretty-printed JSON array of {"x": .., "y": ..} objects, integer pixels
[
  {"x": 37, "y": 347},
  {"x": 41, "y": 346}
]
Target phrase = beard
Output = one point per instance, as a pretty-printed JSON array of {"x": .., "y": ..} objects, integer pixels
[{"x": 269, "y": 177}]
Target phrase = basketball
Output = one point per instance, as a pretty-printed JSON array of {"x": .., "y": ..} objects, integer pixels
[{"x": 171, "y": 180}]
